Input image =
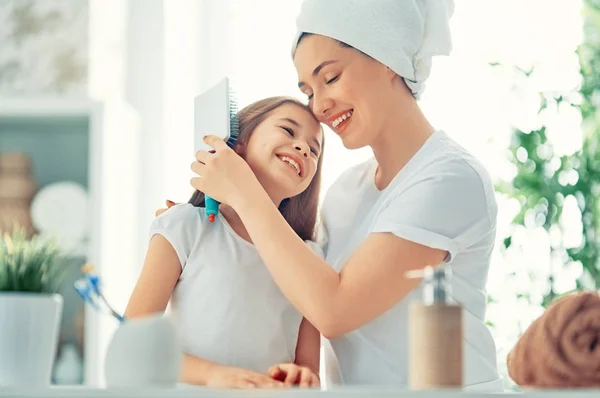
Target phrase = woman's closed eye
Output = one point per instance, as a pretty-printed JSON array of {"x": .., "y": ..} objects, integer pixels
[{"x": 333, "y": 79}]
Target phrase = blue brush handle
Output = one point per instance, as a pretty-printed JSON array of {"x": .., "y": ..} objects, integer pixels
[{"x": 212, "y": 208}]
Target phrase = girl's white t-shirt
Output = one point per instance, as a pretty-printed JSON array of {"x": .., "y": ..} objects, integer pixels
[
  {"x": 444, "y": 199},
  {"x": 226, "y": 304}
]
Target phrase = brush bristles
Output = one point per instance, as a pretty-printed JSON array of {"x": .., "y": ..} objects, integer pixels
[{"x": 234, "y": 122}]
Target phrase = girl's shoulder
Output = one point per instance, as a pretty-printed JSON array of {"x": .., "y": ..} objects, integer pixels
[
  {"x": 180, "y": 215},
  {"x": 182, "y": 225},
  {"x": 183, "y": 221}
]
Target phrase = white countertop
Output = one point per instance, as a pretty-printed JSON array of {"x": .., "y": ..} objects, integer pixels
[{"x": 80, "y": 392}]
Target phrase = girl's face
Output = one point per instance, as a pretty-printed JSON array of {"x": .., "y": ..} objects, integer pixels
[
  {"x": 283, "y": 151},
  {"x": 347, "y": 90}
]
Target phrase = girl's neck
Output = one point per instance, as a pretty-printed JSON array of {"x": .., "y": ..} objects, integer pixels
[{"x": 234, "y": 221}]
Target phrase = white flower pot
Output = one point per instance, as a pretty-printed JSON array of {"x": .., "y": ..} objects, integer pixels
[
  {"x": 29, "y": 327},
  {"x": 144, "y": 352}
]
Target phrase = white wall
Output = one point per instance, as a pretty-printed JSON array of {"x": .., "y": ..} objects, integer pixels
[
  {"x": 148, "y": 59},
  {"x": 113, "y": 199}
]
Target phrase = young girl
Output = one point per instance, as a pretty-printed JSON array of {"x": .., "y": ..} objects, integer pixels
[{"x": 235, "y": 324}]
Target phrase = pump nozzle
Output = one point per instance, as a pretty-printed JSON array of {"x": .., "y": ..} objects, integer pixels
[{"x": 436, "y": 280}]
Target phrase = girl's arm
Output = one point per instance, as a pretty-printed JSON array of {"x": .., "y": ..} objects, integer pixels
[
  {"x": 308, "y": 348},
  {"x": 151, "y": 295},
  {"x": 157, "y": 280}
]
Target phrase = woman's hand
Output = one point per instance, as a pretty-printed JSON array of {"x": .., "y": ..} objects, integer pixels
[
  {"x": 222, "y": 175},
  {"x": 229, "y": 377},
  {"x": 169, "y": 204},
  {"x": 292, "y": 374}
]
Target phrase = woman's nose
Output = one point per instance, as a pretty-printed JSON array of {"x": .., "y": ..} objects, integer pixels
[{"x": 321, "y": 105}]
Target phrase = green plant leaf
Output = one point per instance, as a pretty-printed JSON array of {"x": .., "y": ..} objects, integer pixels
[{"x": 30, "y": 265}]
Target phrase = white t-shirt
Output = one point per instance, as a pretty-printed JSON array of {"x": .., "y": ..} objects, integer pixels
[
  {"x": 228, "y": 307},
  {"x": 442, "y": 198}
]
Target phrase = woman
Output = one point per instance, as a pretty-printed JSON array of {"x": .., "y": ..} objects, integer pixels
[{"x": 422, "y": 200}]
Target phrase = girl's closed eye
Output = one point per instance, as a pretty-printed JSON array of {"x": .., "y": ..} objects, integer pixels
[
  {"x": 314, "y": 151},
  {"x": 288, "y": 130}
]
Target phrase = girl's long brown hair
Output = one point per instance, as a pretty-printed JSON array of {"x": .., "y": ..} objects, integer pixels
[{"x": 301, "y": 210}]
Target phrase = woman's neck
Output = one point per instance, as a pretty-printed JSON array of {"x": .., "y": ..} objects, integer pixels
[{"x": 401, "y": 138}]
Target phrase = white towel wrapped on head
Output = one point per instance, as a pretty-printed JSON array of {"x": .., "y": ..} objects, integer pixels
[{"x": 401, "y": 34}]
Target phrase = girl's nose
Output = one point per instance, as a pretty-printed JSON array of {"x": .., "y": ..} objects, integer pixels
[{"x": 301, "y": 150}]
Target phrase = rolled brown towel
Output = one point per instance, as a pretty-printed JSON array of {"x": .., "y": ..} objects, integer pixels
[{"x": 562, "y": 347}]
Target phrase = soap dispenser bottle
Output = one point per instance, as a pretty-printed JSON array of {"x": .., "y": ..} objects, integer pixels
[{"x": 435, "y": 334}]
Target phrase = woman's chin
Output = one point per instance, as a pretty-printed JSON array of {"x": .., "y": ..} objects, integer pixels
[{"x": 349, "y": 143}]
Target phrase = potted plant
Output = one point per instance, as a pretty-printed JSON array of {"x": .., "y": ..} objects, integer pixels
[{"x": 31, "y": 272}]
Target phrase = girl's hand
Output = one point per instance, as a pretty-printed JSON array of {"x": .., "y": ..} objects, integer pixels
[
  {"x": 222, "y": 175},
  {"x": 229, "y": 377},
  {"x": 292, "y": 374}
]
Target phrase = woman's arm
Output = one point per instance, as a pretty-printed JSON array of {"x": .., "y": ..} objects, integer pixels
[
  {"x": 370, "y": 283},
  {"x": 151, "y": 295}
]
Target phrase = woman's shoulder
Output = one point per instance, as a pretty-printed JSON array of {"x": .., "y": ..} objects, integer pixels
[
  {"x": 449, "y": 153},
  {"x": 446, "y": 170},
  {"x": 445, "y": 160}
]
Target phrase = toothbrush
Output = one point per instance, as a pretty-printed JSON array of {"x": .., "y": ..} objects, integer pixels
[
  {"x": 215, "y": 112},
  {"x": 88, "y": 288}
]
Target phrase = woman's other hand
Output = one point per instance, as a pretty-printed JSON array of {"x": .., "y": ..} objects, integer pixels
[{"x": 169, "y": 204}]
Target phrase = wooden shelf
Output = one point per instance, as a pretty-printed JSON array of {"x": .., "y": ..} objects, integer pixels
[{"x": 96, "y": 144}]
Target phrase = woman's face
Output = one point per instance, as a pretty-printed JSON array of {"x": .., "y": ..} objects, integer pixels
[{"x": 347, "y": 90}]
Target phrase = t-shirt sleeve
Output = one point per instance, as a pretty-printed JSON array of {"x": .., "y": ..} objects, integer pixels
[
  {"x": 449, "y": 210},
  {"x": 180, "y": 225},
  {"x": 321, "y": 239},
  {"x": 316, "y": 247}
]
